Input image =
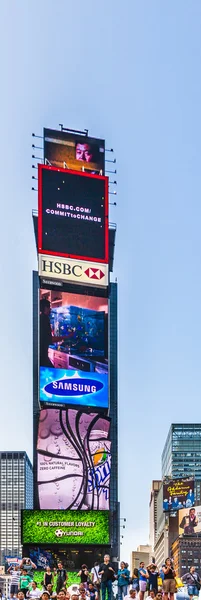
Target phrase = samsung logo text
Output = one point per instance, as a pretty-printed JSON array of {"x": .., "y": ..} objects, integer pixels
[{"x": 75, "y": 387}]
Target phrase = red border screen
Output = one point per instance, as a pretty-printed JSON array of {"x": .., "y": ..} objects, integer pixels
[{"x": 72, "y": 214}]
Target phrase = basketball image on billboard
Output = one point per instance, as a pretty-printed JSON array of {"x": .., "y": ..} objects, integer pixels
[
  {"x": 72, "y": 151},
  {"x": 72, "y": 214}
]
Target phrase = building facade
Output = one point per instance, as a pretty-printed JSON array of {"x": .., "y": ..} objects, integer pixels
[
  {"x": 16, "y": 491},
  {"x": 142, "y": 554},
  {"x": 161, "y": 548},
  {"x": 181, "y": 458},
  {"x": 166, "y": 535},
  {"x": 156, "y": 484},
  {"x": 161, "y": 534},
  {"x": 186, "y": 553}
]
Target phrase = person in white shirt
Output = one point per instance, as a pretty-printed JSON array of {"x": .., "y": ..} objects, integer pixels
[
  {"x": 15, "y": 576},
  {"x": 94, "y": 573},
  {"x": 73, "y": 589},
  {"x": 95, "y": 577},
  {"x": 132, "y": 595},
  {"x": 34, "y": 593},
  {"x": 151, "y": 595}
]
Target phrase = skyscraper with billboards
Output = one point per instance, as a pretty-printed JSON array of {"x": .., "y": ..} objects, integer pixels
[
  {"x": 74, "y": 358},
  {"x": 178, "y": 501},
  {"x": 181, "y": 455}
]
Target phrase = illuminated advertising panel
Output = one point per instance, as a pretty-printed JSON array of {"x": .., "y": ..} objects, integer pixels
[
  {"x": 190, "y": 521},
  {"x": 73, "y": 151},
  {"x": 61, "y": 387},
  {"x": 76, "y": 271},
  {"x": 178, "y": 493},
  {"x": 73, "y": 349},
  {"x": 73, "y": 460},
  {"x": 70, "y": 556},
  {"x": 72, "y": 214},
  {"x": 65, "y": 527}
]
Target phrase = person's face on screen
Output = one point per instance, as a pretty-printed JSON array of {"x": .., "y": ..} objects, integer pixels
[{"x": 83, "y": 152}]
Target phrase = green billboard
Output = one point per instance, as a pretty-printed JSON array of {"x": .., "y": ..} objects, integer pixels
[{"x": 65, "y": 527}]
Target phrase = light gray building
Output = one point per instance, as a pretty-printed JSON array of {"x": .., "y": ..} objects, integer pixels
[
  {"x": 155, "y": 487},
  {"x": 16, "y": 493}
]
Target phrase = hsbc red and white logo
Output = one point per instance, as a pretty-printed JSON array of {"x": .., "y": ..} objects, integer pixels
[
  {"x": 67, "y": 269},
  {"x": 94, "y": 273}
]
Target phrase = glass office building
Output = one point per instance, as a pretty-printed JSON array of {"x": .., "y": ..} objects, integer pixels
[
  {"x": 16, "y": 493},
  {"x": 181, "y": 456}
]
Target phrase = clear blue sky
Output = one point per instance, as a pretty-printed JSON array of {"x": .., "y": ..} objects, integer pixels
[{"x": 130, "y": 72}]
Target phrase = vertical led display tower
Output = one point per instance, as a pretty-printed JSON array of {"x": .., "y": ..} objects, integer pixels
[{"x": 74, "y": 359}]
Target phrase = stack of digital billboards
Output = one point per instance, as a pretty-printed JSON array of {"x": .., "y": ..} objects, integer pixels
[
  {"x": 73, "y": 445},
  {"x": 179, "y": 500}
]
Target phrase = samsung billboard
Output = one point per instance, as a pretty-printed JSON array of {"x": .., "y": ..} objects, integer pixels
[
  {"x": 60, "y": 387},
  {"x": 73, "y": 336}
]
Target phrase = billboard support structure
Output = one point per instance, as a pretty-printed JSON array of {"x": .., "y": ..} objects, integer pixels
[{"x": 76, "y": 131}]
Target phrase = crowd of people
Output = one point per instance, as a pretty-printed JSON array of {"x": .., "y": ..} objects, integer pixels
[{"x": 97, "y": 583}]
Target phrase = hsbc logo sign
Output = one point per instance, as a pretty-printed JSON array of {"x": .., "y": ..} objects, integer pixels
[
  {"x": 93, "y": 273},
  {"x": 78, "y": 271}
]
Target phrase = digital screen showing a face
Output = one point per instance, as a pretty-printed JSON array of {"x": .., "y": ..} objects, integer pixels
[
  {"x": 73, "y": 460},
  {"x": 72, "y": 151},
  {"x": 65, "y": 527},
  {"x": 72, "y": 214},
  {"x": 73, "y": 325}
]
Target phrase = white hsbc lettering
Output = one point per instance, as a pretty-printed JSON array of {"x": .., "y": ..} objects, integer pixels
[{"x": 60, "y": 268}]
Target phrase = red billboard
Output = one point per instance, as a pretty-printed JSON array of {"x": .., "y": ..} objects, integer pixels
[{"x": 72, "y": 214}]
